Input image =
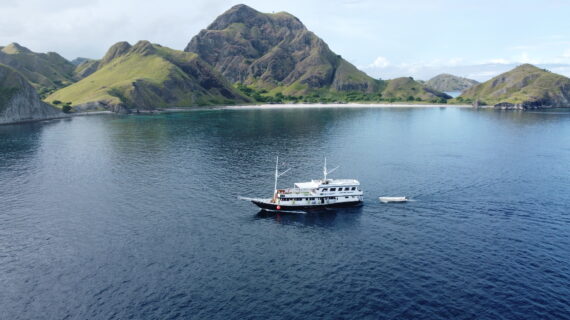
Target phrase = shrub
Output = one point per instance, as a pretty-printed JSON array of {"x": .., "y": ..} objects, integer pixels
[{"x": 66, "y": 107}]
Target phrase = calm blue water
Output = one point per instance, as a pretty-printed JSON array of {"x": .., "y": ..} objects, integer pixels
[{"x": 136, "y": 217}]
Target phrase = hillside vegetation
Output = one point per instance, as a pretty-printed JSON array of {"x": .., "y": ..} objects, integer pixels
[
  {"x": 525, "y": 87},
  {"x": 147, "y": 76},
  {"x": 47, "y": 72}
]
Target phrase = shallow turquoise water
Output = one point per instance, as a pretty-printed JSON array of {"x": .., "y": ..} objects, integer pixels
[{"x": 115, "y": 217}]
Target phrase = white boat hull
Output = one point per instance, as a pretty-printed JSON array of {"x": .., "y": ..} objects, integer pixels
[{"x": 392, "y": 199}]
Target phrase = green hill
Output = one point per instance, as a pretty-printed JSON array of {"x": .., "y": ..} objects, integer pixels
[
  {"x": 407, "y": 89},
  {"x": 45, "y": 71},
  {"x": 147, "y": 76},
  {"x": 525, "y": 87}
]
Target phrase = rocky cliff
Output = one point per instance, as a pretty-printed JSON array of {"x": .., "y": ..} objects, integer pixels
[
  {"x": 19, "y": 101},
  {"x": 275, "y": 51},
  {"x": 525, "y": 87},
  {"x": 447, "y": 83}
]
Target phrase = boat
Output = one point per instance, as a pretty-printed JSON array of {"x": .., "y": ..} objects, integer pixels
[
  {"x": 312, "y": 195},
  {"x": 393, "y": 199}
]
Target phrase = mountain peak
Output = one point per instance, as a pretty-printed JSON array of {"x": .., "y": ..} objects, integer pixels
[
  {"x": 116, "y": 50},
  {"x": 15, "y": 48},
  {"x": 244, "y": 45},
  {"x": 527, "y": 67},
  {"x": 143, "y": 47},
  {"x": 237, "y": 14}
]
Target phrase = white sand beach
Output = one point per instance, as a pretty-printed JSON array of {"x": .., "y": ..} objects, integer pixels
[{"x": 338, "y": 105}]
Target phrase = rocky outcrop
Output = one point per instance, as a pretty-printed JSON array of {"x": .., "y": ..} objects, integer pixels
[
  {"x": 447, "y": 83},
  {"x": 274, "y": 50},
  {"x": 525, "y": 87},
  {"x": 19, "y": 102}
]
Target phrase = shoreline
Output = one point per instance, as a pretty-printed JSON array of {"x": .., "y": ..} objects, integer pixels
[
  {"x": 253, "y": 107},
  {"x": 59, "y": 117},
  {"x": 315, "y": 106}
]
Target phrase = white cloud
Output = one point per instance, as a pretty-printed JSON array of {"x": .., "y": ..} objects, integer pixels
[
  {"x": 380, "y": 62},
  {"x": 525, "y": 58},
  {"x": 566, "y": 54}
]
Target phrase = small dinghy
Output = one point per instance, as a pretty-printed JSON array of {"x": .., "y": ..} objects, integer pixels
[{"x": 393, "y": 199}]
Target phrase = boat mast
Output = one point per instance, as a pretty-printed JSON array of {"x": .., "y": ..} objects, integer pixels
[
  {"x": 277, "y": 174},
  {"x": 326, "y": 172}
]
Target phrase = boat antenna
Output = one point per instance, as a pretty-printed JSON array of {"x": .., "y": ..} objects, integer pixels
[
  {"x": 327, "y": 172},
  {"x": 277, "y": 174}
]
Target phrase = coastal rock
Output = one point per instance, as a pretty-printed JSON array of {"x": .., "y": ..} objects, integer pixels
[
  {"x": 102, "y": 106},
  {"x": 19, "y": 101}
]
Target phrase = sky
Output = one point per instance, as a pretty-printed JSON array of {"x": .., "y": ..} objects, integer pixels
[{"x": 385, "y": 38}]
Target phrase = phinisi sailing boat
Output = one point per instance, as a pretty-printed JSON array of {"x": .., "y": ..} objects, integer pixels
[{"x": 316, "y": 194}]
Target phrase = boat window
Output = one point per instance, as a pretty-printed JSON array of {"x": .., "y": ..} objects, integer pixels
[
  {"x": 333, "y": 189},
  {"x": 325, "y": 190},
  {"x": 346, "y": 189},
  {"x": 353, "y": 188},
  {"x": 347, "y": 197}
]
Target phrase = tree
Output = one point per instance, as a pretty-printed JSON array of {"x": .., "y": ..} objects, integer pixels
[
  {"x": 66, "y": 107},
  {"x": 56, "y": 102}
]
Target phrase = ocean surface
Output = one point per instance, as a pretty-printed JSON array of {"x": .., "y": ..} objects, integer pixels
[{"x": 137, "y": 217}]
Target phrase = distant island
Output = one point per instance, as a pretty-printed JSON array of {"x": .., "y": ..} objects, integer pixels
[
  {"x": 244, "y": 57},
  {"x": 446, "y": 82}
]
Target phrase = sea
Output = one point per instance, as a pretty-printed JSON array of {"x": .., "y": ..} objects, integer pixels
[{"x": 138, "y": 216}]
